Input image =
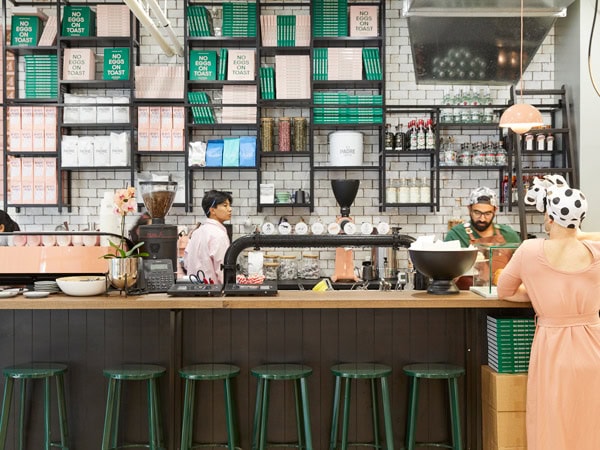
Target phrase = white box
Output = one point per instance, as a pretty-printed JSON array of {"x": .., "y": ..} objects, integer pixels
[
  {"x": 102, "y": 151},
  {"x": 267, "y": 193}
]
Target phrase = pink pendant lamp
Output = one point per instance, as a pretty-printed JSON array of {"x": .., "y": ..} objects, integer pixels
[{"x": 521, "y": 117}]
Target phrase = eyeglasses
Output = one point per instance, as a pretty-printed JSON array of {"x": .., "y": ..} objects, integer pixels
[{"x": 477, "y": 214}]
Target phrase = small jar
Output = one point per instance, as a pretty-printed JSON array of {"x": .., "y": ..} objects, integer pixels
[
  {"x": 288, "y": 268},
  {"x": 266, "y": 134},
  {"x": 299, "y": 134},
  {"x": 271, "y": 270},
  {"x": 285, "y": 134},
  {"x": 310, "y": 267}
]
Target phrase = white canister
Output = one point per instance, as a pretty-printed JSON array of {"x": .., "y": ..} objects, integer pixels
[{"x": 346, "y": 148}]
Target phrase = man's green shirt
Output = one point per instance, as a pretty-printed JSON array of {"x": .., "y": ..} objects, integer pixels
[{"x": 459, "y": 233}]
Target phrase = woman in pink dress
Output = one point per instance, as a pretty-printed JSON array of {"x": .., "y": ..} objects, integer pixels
[{"x": 561, "y": 278}]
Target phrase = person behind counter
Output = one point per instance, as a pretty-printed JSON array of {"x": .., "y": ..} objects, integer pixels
[
  {"x": 560, "y": 276},
  {"x": 481, "y": 229},
  {"x": 207, "y": 246},
  {"x": 7, "y": 224}
]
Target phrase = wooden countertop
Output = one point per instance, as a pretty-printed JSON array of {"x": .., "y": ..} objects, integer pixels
[{"x": 284, "y": 300}]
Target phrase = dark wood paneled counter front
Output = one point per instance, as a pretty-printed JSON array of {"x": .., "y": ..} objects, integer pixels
[{"x": 315, "y": 328}]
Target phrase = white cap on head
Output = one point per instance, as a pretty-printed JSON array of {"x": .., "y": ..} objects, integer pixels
[{"x": 483, "y": 195}]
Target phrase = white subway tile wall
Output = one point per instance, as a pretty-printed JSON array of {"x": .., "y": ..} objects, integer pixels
[{"x": 292, "y": 173}]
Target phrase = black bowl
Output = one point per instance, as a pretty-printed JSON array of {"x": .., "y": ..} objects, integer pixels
[{"x": 443, "y": 267}]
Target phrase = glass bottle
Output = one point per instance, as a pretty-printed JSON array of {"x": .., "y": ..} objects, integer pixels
[
  {"x": 284, "y": 130},
  {"x": 414, "y": 190},
  {"x": 400, "y": 138},
  {"x": 403, "y": 192},
  {"x": 413, "y": 135},
  {"x": 425, "y": 191},
  {"x": 389, "y": 137},
  {"x": 420, "y": 135},
  {"x": 391, "y": 193},
  {"x": 463, "y": 158},
  {"x": 430, "y": 137}
]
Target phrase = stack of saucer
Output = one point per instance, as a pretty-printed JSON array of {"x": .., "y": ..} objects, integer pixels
[
  {"x": 283, "y": 197},
  {"x": 46, "y": 286}
]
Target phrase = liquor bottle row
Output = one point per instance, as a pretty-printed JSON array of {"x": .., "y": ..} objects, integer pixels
[
  {"x": 473, "y": 154},
  {"x": 419, "y": 136}
]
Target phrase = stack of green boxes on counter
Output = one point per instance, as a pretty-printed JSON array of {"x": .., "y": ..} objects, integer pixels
[{"x": 509, "y": 343}]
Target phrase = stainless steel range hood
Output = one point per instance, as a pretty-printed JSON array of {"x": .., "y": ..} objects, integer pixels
[{"x": 476, "y": 41}]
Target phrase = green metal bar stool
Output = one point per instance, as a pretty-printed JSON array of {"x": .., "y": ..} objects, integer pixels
[
  {"x": 25, "y": 373},
  {"x": 132, "y": 372},
  {"x": 207, "y": 372},
  {"x": 281, "y": 372},
  {"x": 433, "y": 371},
  {"x": 365, "y": 371}
]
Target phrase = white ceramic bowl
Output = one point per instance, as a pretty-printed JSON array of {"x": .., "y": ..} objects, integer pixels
[{"x": 83, "y": 286}]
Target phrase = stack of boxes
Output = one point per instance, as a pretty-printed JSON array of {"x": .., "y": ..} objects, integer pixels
[
  {"x": 32, "y": 180},
  {"x": 160, "y": 128},
  {"x": 503, "y": 398}
]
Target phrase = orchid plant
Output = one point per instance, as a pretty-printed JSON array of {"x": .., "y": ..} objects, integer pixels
[{"x": 124, "y": 203}]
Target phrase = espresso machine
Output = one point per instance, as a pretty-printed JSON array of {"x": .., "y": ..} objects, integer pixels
[
  {"x": 159, "y": 238},
  {"x": 345, "y": 192}
]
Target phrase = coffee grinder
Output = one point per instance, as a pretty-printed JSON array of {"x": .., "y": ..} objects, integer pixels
[
  {"x": 160, "y": 239},
  {"x": 345, "y": 192}
]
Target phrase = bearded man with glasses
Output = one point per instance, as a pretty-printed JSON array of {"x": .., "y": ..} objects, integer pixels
[{"x": 481, "y": 229}]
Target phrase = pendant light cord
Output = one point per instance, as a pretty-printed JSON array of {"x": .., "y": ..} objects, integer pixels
[
  {"x": 590, "y": 49},
  {"x": 521, "y": 53}
]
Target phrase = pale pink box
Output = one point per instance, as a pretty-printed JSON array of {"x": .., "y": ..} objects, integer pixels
[
  {"x": 166, "y": 117},
  {"x": 50, "y": 118},
  {"x": 144, "y": 117},
  {"x": 143, "y": 140},
  {"x": 50, "y": 140},
  {"x": 166, "y": 142},
  {"x": 178, "y": 118},
  {"x": 26, "y": 117}
]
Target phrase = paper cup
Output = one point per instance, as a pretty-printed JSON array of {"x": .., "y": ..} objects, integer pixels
[
  {"x": 19, "y": 240},
  {"x": 63, "y": 240},
  {"x": 48, "y": 240},
  {"x": 90, "y": 241}
]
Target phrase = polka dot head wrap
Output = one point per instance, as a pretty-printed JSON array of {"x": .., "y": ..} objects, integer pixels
[{"x": 565, "y": 205}]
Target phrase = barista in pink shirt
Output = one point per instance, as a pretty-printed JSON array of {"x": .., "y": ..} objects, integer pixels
[{"x": 209, "y": 242}]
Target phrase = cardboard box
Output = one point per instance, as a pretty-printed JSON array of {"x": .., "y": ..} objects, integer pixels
[
  {"x": 504, "y": 429},
  {"x": 503, "y": 401},
  {"x": 503, "y": 391}
]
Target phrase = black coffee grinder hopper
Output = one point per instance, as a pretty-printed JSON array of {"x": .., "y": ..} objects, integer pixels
[
  {"x": 160, "y": 239},
  {"x": 345, "y": 192}
]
